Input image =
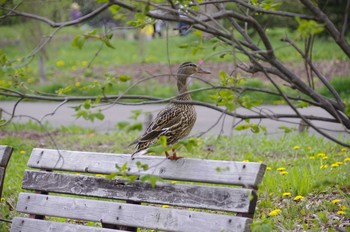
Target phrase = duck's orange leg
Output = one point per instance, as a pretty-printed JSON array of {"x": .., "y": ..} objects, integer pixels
[{"x": 174, "y": 157}]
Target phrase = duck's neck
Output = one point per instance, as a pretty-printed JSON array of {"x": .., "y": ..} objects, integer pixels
[{"x": 183, "y": 91}]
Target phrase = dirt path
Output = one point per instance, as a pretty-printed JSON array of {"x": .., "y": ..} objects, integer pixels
[{"x": 328, "y": 68}]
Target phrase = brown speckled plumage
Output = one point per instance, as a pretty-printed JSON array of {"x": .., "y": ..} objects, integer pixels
[{"x": 176, "y": 120}]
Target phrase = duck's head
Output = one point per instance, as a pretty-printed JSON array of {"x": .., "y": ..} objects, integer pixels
[{"x": 186, "y": 69}]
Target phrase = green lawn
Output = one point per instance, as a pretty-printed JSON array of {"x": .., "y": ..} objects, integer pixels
[
  {"x": 306, "y": 185},
  {"x": 128, "y": 51},
  {"x": 66, "y": 65}
]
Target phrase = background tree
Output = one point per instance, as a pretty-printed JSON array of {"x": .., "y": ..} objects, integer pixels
[{"x": 241, "y": 27}]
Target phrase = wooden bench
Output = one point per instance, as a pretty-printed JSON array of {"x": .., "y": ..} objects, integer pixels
[
  {"x": 5, "y": 155},
  {"x": 197, "y": 195}
]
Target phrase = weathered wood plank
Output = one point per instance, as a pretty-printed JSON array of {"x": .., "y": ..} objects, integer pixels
[
  {"x": 5, "y": 155},
  {"x": 128, "y": 214},
  {"x": 20, "y": 224},
  {"x": 207, "y": 171},
  {"x": 195, "y": 196}
]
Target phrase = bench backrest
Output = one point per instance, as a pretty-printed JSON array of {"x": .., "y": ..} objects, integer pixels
[
  {"x": 5, "y": 155},
  {"x": 197, "y": 195}
]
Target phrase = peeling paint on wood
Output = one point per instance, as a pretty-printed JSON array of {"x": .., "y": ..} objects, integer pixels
[
  {"x": 20, "y": 224},
  {"x": 206, "y": 171},
  {"x": 186, "y": 195},
  {"x": 129, "y": 215}
]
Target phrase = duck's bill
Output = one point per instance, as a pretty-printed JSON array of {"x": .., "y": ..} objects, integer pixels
[{"x": 200, "y": 70}]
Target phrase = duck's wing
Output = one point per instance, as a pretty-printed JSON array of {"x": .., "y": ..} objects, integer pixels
[{"x": 165, "y": 119}]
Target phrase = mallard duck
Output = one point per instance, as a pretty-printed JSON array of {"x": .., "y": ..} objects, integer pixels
[{"x": 177, "y": 119}]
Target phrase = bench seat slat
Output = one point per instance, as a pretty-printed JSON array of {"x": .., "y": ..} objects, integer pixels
[
  {"x": 20, "y": 224},
  {"x": 207, "y": 171},
  {"x": 128, "y": 214},
  {"x": 196, "y": 196}
]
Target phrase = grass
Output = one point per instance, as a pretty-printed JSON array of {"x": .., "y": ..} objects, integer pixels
[
  {"x": 306, "y": 185},
  {"x": 67, "y": 65}
]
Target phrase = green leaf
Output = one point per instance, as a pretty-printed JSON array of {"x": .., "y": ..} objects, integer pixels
[
  {"x": 142, "y": 166},
  {"x": 307, "y": 28},
  {"x": 163, "y": 140},
  {"x": 135, "y": 114},
  {"x": 124, "y": 78},
  {"x": 255, "y": 128},
  {"x": 286, "y": 129},
  {"x": 78, "y": 41},
  {"x": 107, "y": 42},
  {"x": 63, "y": 91},
  {"x": 189, "y": 144},
  {"x": 132, "y": 179},
  {"x": 112, "y": 175},
  {"x": 122, "y": 125},
  {"x": 157, "y": 149},
  {"x": 99, "y": 116},
  {"x": 242, "y": 127},
  {"x": 152, "y": 179},
  {"x": 87, "y": 104},
  {"x": 302, "y": 104},
  {"x": 136, "y": 126}
]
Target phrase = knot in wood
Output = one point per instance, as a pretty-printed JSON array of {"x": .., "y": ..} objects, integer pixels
[{"x": 161, "y": 170}]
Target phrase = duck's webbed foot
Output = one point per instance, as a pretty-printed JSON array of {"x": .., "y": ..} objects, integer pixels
[{"x": 174, "y": 156}]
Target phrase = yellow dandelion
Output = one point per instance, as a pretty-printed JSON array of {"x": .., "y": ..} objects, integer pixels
[
  {"x": 324, "y": 166},
  {"x": 165, "y": 206},
  {"x": 245, "y": 161},
  {"x": 334, "y": 165},
  {"x": 347, "y": 159},
  {"x": 325, "y": 157},
  {"x": 340, "y": 212},
  {"x": 268, "y": 168},
  {"x": 59, "y": 63},
  {"x": 339, "y": 163},
  {"x": 342, "y": 207},
  {"x": 3, "y": 199},
  {"x": 22, "y": 152},
  {"x": 280, "y": 169},
  {"x": 284, "y": 173},
  {"x": 287, "y": 194},
  {"x": 298, "y": 198},
  {"x": 312, "y": 157},
  {"x": 336, "y": 201},
  {"x": 296, "y": 147},
  {"x": 321, "y": 155},
  {"x": 344, "y": 149},
  {"x": 274, "y": 212},
  {"x": 84, "y": 63}
]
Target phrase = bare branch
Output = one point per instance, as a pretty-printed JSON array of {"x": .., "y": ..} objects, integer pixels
[
  {"x": 13, "y": 12},
  {"x": 316, "y": 71},
  {"x": 345, "y": 23},
  {"x": 260, "y": 10},
  {"x": 332, "y": 29}
]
